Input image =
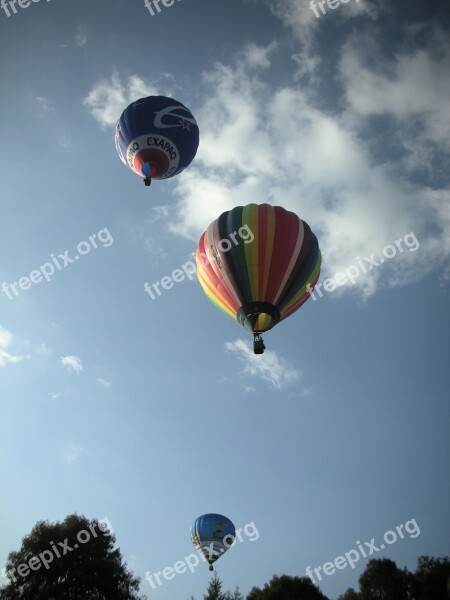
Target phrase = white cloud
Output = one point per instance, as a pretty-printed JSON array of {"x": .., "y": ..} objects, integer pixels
[
  {"x": 59, "y": 395},
  {"x": 104, "y": 383},
  {"x": 281, "y": 147},
  {"x": 258, "y": 56},
  {"x": 274, "y": 369},
  {"x": 73, "y": 363},
  {"x": 43, "y": 104},
  {"x": 64, "y": 142},
  {"x": 301, "y": 19},
  {"x": 6, "y": 358},
  {"x": 109, "y": 97},
  {"x": 307, "y": 65},
  {"x": 157, "y": 212},
  {"x": 444, "y": 278},
  {"x": 73, "y": 452},
  {"x": 81, "y": 37},
  {"x": 296, "y": 16},
  {"x": 412, "y": 87},
  {"x": 235, "y": 136}
]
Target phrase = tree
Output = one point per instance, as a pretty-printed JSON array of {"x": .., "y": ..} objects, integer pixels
[
  {"x": 70, "y": 560},
  {"x": 431, "y": 578},
  {"x": 382, "y": 580},
  {"x": 350, "y": 594},
  {"x": 214, "y": 591},
  {"x": 236, "y": 595},
  {"x": 286, "y": 587}
]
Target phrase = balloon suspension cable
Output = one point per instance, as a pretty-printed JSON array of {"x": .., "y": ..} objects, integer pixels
[{"x": 258, "y": 344}]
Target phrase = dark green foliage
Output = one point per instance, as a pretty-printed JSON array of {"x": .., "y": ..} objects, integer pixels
[
  {"x": 382, "y": 580},
  {"x": 236, "y": 595},
  {"x": 214, "y": 591},
  {"x": 87, "y": 568},
  {"x": 350, "y": 594},
  {"x": 431, "y": 579},
  {"x": 287, "y": 588}
]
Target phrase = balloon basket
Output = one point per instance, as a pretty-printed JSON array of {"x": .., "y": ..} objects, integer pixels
[{"x": 258, "y": 344}]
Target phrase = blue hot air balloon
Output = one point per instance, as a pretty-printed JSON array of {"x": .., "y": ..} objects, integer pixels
[
  {"x": 212, "y": 535},
  {"x": 156, "y": 137}
]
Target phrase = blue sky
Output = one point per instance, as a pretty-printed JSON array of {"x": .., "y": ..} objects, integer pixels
[{"x": 152, "y": 412}]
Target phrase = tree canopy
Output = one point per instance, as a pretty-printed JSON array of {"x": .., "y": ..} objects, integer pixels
[
  {"x": 350, "y": 594},
  {"x": 214, "y": 591},
  {"x": 285, "y": 587},
  {"x": 382, "y": 579},
  {"x": 431, "y": 579},
  {"x": 76, "y": 559},
  {"x": 70, "y": 560}
]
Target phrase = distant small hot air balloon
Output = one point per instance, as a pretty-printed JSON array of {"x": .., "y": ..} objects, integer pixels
[
  {"x": 212, "y": 535},
  {"x": 262, "y": 278},
  {"x": 156, "y": 137}
]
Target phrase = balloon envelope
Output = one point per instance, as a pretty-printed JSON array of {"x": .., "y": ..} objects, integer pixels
[
  {"x": 212, "y": 534},
  {"x": 256, "y": 261},
  {"x": 157, "y": 137}
]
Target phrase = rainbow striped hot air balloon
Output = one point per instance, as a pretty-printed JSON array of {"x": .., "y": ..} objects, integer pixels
[{"x": 258, "y": 263}]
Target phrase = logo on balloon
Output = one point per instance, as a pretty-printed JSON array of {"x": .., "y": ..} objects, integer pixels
[
  {"x": 153, "y": 145},
  {"x": 183, "y": 120}
]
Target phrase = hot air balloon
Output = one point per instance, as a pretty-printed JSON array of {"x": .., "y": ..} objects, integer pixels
[
  {"x": 262, "y": 278},
  {"x": 212, "y": 535},
  {"x": 156, "y": 137}
]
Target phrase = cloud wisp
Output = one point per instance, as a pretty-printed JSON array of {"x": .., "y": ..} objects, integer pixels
[
  {"x": 109, "y": 97},
  {"x": 6, "y": 357},
  {"x": 269, "y": 367},
  {"x": 73, "y": 363}
]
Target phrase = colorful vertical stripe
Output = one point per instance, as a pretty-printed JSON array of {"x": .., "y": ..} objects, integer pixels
[{"x": 255, "y": 263}]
